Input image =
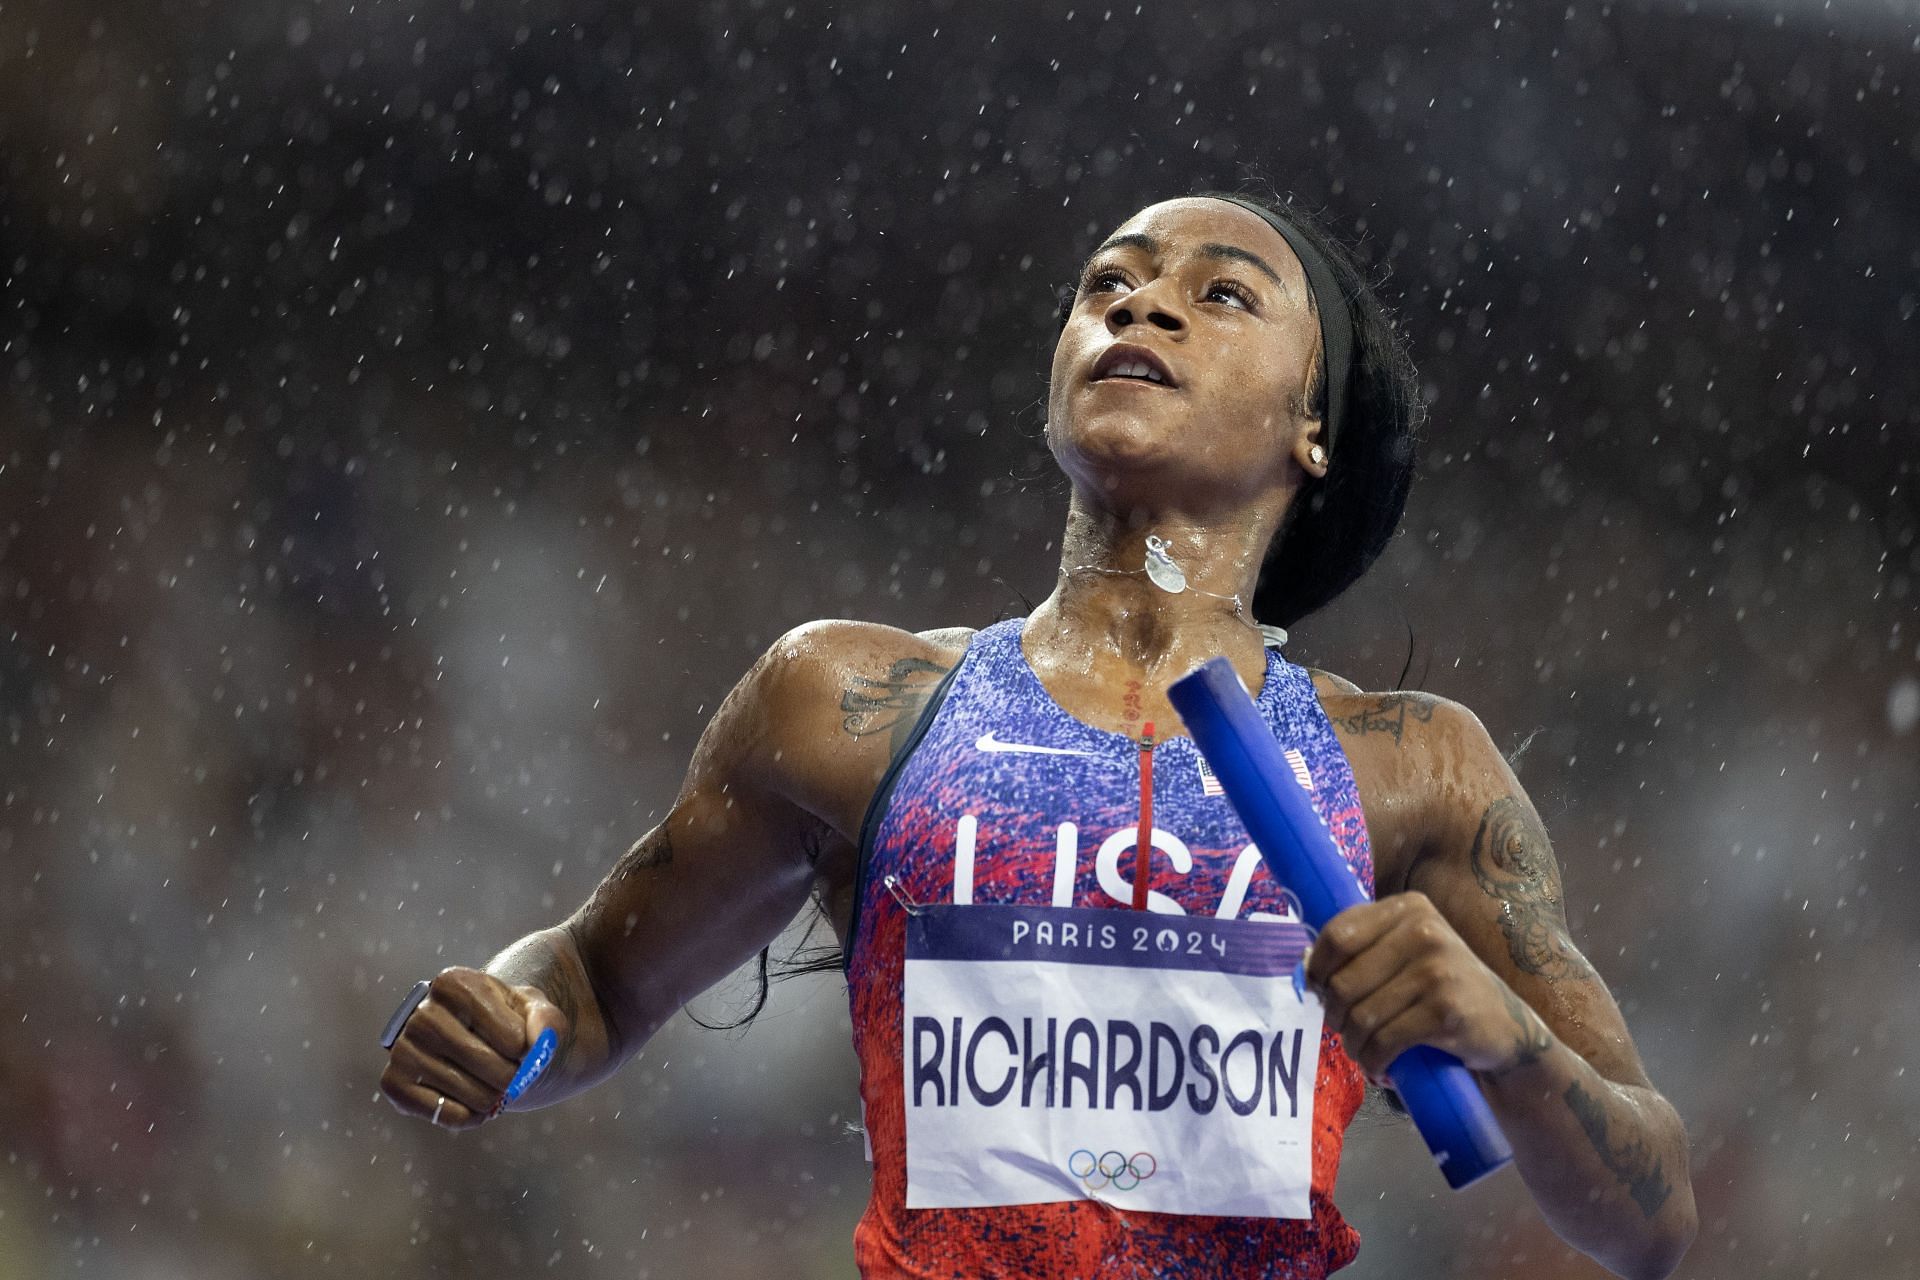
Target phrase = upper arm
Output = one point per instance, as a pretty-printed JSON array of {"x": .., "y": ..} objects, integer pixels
[
  {"x": 768, "y": 811},
  {"x": 1489, "y": 867},
  {"x": 725, "y": 870}
]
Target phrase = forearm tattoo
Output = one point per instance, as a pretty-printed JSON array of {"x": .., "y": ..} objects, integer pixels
[
  {"x": 1513, "y": 862},
  {"x": 650, "y": 852},
  {"x": 1531, "y": 1039},
  {"x": 1631, "y": 1160},
  {"x": 892, "y": 703},
  {"x": 653, "y": 850},
  {"x": 1390, "y": 714}
]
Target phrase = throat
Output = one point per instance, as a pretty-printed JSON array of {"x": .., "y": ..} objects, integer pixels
[
  {"x": 1134, "y": 622},
  {"x": 1112, "y": 670}
]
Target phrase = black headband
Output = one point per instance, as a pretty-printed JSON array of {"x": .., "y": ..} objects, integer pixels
[{"x": 1336, "y": 326}]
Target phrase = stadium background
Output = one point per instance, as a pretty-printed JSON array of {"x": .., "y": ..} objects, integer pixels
[{"x": 416, "y": 416}]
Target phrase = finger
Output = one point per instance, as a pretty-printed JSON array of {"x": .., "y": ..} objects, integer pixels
[
  {"x": 453, "y": 1115},
  {"x": 1349, "y": 985},
  {"x": 443, "y": 1078},
  {"x": 541, "y": 1014},
  {"x": 1350, "y": 933},
  {"x": 440, "y": 1035},
  {"x": 484, "y": 1003},
  {"x": 407, "y": 1095},
  {"x": 1371, "y": 1016},
  {"x": 538, "y": 1013},
  {"x": 1427, "y": 1019}
]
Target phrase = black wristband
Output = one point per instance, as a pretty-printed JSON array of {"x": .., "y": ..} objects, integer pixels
[{"x": 405, "y": 1011}]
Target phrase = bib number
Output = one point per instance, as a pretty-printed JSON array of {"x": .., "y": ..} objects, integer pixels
[{"x": 1155, "y": 1063}]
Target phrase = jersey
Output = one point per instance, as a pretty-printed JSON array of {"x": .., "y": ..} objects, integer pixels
[{"x": 973, "y": 809}]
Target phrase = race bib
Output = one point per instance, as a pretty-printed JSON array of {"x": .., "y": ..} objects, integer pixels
[{"x": 1154, "y": 1062}]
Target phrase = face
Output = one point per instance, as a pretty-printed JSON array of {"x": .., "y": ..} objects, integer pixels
[{"x": 1178, "y": 376}]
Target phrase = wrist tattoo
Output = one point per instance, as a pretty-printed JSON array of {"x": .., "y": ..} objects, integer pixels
[{"x": 1531, "y": 1040}]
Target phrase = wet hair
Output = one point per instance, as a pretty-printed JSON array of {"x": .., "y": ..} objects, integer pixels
[
  {"x": 802, "y": 960},
  {"x": 1338, "y": 524}
]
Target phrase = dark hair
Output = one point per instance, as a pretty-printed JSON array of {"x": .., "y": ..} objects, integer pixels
[
  {"x": 803, "y": 959},
  {"x": 1338, "y": 525}
]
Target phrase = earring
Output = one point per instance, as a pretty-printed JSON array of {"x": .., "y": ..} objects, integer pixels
[{"x": 1318, "y": 455}]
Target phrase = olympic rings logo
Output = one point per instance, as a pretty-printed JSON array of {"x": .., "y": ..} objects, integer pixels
[{"x": 1112, "y": 1168}]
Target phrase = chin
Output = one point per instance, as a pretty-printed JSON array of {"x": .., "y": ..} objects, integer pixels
[
  {"x": 1114, "y": 446},
  {"x": 1124, "y": 460},
  {"x": 1118, "y": 438}
]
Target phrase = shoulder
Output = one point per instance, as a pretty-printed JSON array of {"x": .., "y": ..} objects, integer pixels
[
  {"x": 1405, "y": 717},
  {"x": 1422, "y": 763},
  {"x": 1412, "y": 726},
  {"x": 835, "y": 654},
  {"x": 829, "y": 704}
]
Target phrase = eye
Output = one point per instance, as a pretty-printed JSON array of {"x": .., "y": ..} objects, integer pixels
[
  {"x": 1102, "y": 280},
  {"x": 1232, "y": 291}
]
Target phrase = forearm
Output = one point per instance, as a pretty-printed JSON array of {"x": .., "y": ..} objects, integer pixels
[
  {"x": 592, "y": 1047},
  {"x": 1607, "y": 1163}
]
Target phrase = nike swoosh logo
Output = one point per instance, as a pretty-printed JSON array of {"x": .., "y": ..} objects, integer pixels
[{"x": 987, "y": 742}]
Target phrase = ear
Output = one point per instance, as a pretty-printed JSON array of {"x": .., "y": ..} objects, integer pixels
[{"x": 1303, "y": 450}]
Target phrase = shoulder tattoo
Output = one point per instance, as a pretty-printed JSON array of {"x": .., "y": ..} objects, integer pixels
[
  {"x": 1513, "y": 862},
  {"x": 891, "y": 703},
  {"x": 1390, "y": 714}
]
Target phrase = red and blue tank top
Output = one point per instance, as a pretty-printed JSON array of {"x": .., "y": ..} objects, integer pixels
[{"x": 1002, "y": 799}]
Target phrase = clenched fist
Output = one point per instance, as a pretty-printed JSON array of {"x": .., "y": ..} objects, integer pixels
[
  {"x": 1393, "y": 974},
  {"x": 458, "y": 1051}
]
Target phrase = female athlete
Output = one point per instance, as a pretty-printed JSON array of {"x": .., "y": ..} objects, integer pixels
[{"x": 1239, "y": 441}]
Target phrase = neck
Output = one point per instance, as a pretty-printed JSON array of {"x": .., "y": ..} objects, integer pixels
[{"x": 1102, "y": 605}]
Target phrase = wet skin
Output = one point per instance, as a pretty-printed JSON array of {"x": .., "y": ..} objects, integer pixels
[{"x": 1466, "y": 947}]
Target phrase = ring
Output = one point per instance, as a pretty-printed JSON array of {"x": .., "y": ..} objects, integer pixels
[{"x": 437, "y": 1104}]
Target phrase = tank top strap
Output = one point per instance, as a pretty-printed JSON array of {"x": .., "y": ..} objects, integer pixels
[{"x": 1300, "y": 721}]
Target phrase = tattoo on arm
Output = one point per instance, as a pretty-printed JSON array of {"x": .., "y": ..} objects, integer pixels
[
  {"x": 892, "y": 703},
  {"x": 1632, "y": 1161},
  {"x": 655, "y": 849},
  {"x": 650, "y": 852},
  {"x": 1389, "y": 714},
  {"x": 1513, "y": 862},
  {"x": 1530, "y": 1036}
]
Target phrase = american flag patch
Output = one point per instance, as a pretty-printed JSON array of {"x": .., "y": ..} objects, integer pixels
[
  {"x": 1209, "y": 785},
  {"x": 1298, "y": 763}
]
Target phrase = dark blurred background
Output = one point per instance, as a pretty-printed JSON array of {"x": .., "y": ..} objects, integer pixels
[{"x": 416, "y": 415}]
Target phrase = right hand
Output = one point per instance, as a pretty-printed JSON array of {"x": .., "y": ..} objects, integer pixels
[{"x": 463, "y": 1043}]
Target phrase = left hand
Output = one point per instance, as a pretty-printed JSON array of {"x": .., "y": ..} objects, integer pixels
[{"x": 1393, "y": 974}]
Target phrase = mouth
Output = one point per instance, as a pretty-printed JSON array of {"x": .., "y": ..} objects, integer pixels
[{"x": 1125, "y": 362}]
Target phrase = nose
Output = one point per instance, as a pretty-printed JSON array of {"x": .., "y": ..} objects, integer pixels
[{"x": 1155, "y": 303}]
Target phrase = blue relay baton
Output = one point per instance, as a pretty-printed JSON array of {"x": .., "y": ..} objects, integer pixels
[
  {"x": 1439, "y": 1092},
  {"x": 534, "y": 1065}
]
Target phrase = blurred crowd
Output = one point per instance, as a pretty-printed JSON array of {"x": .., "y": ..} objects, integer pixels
[{"x": 414, "y": 417}]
